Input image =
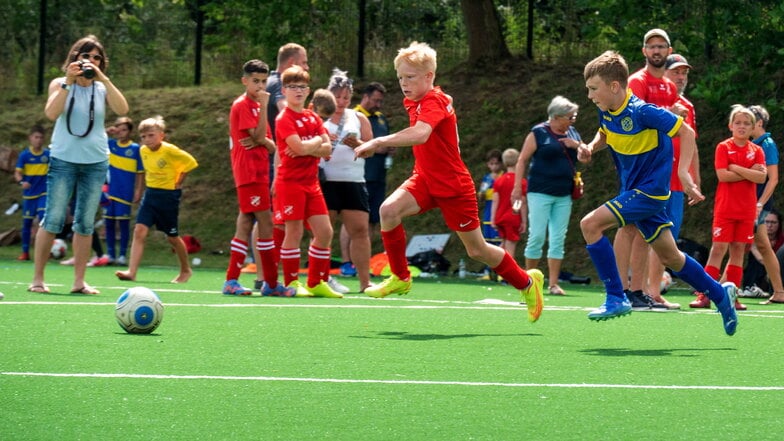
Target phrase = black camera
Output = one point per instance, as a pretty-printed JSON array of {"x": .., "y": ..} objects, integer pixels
[{"x": 87, "y": 71}]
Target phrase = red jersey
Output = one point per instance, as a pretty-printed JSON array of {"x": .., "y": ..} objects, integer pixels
[
  {"x": 503, "y": 187},
  {"x": 308, "y": 125},
  {"x": 737, "y": 200},
  {"x": 248, "y": 165},
  {"x": 691, "y": 120},
  {"x": 438, "y": 160},
  {"x": 661, "y": 92}
]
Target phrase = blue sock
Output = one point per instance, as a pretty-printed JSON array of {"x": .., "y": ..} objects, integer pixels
[
  {"x": 603, "y": 259},
  {"x": 694, "y": 274},
  {"x": 27, "y": 229}
]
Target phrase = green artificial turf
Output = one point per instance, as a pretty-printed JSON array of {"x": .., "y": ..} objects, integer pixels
[{"x": 453, "y": 360}]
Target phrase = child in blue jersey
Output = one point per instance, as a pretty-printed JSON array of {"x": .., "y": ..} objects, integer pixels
[
  {"x": 31, "y": 168},
  {"x": 639, "y": 137},
  {"x": 126, "y": 181},
  {"x": 485, "y": 194}
]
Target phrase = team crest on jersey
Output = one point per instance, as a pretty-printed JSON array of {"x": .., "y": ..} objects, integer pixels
[
  {"x": 161, "y": 163},
  {"x": 627, "y": 124},
  {"x": 44, "y": 159},
  {"x": 128, "y": 153},
  {"x": 255, "y": 201},
  {"x": 300, "y": 124}
]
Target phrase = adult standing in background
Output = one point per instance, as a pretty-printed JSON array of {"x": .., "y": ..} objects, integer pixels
[
  {"x": 344, "y": 184},
  {"x": 79, "y": 155},
  {"x": 377, "y": 165},
  {"x": 676, "y": 70},
  {"x": 290, "y": 54},
  {"x": 650, "y": 85},
  {"x": 548, "y": 160}
]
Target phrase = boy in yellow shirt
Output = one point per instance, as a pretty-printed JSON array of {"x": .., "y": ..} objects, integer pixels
[{"x": 165, "y": 168}]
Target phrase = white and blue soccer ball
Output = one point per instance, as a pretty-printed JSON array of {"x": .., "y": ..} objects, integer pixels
[
  {"x": 59, "y": 249},
  {"x": 666, "y": 282},
  {"x": 139, "y": 310}
]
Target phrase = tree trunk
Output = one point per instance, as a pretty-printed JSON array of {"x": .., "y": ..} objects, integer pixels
[{"x": 485, "y": 40}]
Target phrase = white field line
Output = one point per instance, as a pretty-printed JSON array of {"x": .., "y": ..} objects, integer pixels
[{"x": 392, "y": 382}]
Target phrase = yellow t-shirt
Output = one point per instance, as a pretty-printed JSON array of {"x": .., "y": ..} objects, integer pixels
[{"x": 164, "y": 166}]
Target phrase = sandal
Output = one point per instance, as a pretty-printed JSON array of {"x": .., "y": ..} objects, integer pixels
[
  {"x": 40, "y": 289},
  {"x": 86, "y": 289},
  {"x": 556, "y": 290}
]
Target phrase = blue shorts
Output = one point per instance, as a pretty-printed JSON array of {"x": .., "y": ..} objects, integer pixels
[
  {"x": 63, "y": 181},
  {"x": 117, "y": 210},
  {"x": 675, "y": 212},
  {"x": 160, "y": 208},
  {"x": 647, "y": 213},
  {"x": 35, "y": 207}
]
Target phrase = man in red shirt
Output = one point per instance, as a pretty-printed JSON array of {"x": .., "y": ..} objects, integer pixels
[
  {"x": 650, "y": 85},
  {"x": 440, "y": 180}
]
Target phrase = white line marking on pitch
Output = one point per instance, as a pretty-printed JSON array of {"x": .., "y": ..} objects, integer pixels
[{"x": 397, "y": 382}]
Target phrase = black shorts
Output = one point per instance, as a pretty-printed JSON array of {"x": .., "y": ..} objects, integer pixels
[
  {"x": 160, "y": 208},
  {"x": 345, "y": 196}
]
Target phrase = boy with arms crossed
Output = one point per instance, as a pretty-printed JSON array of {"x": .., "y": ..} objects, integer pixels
[
  {"x": 251, "y": 145},
  {"x": 302, "y": 140},
  {"x": 639, "y": 136},
  {"x": 440, "y": 180},
  {"x": 740, "y": 165}
]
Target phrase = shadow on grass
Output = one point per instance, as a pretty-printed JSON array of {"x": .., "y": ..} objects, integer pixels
[
  {"x": 668, "y": 352},
  {"x": 430, "y": 337}
]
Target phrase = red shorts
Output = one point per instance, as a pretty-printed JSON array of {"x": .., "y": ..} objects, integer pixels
[
  {"x": 733, "y": 230},
  {"x": 295, "y": 201},
  {"x": 461, "y": 213},
  {"x": 253, "y": 197},
  {"x": 508, "y": 227}
]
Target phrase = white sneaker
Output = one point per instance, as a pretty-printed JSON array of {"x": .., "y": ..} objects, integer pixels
[
  {"x": 121, "y": 261},
  {"x": 337, "y": 286}
]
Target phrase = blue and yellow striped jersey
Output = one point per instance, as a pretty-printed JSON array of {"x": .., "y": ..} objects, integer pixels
[{"x": 640, "y": 137}]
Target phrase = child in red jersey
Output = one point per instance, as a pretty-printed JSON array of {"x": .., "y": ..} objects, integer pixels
[
  {"x": 440, "y": 180},
  {"x": 302, "y": 140},
  {"x": 251, "y": 144},
  {"x": 510, "y": 222},
  {"x": 740, "y": 166}
]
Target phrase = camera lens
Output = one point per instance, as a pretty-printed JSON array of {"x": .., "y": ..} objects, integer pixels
[{"x": 88, "y": 73}]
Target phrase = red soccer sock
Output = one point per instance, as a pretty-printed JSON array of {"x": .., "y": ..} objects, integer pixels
[
  {"x": 269, "y": 266},
  {"x": 713, "y": 272},
  {"x": 734, "y": 274},
  {"x": 239, "y": 250},
  {"x": 512, "y": 273},
  {"x": 277, "y": 236},
  {"x": 289, "y": 260},
  {"x": 395, "y": 246},
  {"x": 318, "y": 265}
]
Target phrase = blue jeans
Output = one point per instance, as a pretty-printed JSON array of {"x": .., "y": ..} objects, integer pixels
[
  {"x": 63, "y": 181},
  {"x": 547, "y": 215}
]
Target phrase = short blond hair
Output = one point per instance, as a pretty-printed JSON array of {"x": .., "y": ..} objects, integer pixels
[
  {"x": 154, "y": 123},
  {"x": 323, "y": 103},
  {"x": 509, "y": 157},
  {"x": 739, "y": 109},
  {"x": 419, "y": 55}
]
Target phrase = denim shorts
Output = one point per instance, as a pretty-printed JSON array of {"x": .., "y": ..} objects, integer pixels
[{"x": 66, "y": 179}]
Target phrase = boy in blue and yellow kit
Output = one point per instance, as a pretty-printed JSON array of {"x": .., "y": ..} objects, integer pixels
[
  {"x": 126, "y": 181},
  {"x": 165, "y": 169},
  {"x": 639, "y": 136},
  {"x": 30, "y": 173}
]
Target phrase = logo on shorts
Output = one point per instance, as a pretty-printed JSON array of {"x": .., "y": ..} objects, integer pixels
[
  {"x": 288, "y": 209},
  {"x": 255, "y": 201},
  {"x": 464, "y": 224},
  {"x": 717, "y": 232}
]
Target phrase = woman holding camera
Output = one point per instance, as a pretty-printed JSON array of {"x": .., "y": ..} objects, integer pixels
[{"x": 79, "y": 155}]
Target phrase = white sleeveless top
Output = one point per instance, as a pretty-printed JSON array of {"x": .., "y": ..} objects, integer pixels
[{"x": 342, "y": 167}]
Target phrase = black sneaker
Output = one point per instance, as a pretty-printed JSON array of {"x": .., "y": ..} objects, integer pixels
[
  {"x": 653, "y": 304},
  {"x": 639, "y": 303},
  {"x": 258, "y": 284}
]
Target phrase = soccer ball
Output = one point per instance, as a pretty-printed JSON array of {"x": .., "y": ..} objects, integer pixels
[
  {"x": 139, "y": 310},
  {"x": 666, "y": 282},
  {"x": 59, "y": 248}
]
